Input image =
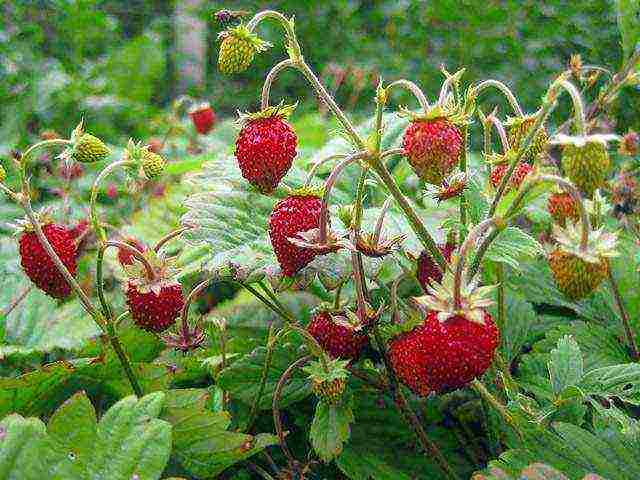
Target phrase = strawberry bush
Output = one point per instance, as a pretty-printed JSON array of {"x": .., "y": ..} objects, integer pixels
[{"x": 441, "y": 291}]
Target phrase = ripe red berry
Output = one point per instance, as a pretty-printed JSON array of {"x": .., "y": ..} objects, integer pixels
[
  {"x": 203, "y": 118},
  {"x": 337, "y": 337},
  {"x": 428, "y": 269},
  {"x": 295, "y": 214},
  {"x": 433, "y": 148},
  {"x": 519, "y": 174},
  {"x": 265, "y": 150},
  {"x": 562, "y": 206},
  {"x": 125, "y": 257},
  {"x": 39, "y": 267},
  {"x": 444, "y": 356},
  {"x": 155, "y": 310}
]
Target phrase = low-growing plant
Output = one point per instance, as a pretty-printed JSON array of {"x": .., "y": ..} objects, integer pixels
[{"x": 435, "y": 352}]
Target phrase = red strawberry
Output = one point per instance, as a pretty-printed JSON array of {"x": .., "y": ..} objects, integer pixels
[
  {"x": 562, "y": 206},
  {"x": 337, "y": 336},
  {"x": 520, "y": 173},
  {"x": 70, "y": 171},
  {"x": 125, "y": 257},
  {"x": 203, "y": 118},
  {"x": 39, "y": 267},
  {"x": 295, "y": 214},
  {"x": 155, "y": 310},
  {"x": 112, "y": 191},
  {"x": 428, "y": 269},
  {"x": 265, "y": 150},
  {"x": 444, "y": 356},
  {"x": 433, "y": 148}
]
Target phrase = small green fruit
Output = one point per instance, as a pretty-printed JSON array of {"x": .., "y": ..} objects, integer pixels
[
  {"x": 89, "y": 149},
  {"x": 152, "y": 164}
]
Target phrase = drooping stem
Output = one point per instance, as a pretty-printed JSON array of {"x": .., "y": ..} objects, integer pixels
[
  {"x": 95, "y": 221},
  {"x": 497, "y": 124},
  {"x": 501, "y": 297},
  {"x": 193, "y": 294},
  {"x": 271, "y": 76},
  {"x": 318, "y": 164},
  {"x": 578, "y": 107},
  {"x": 633, "y": 346},
  {"x": 506, "y": 91},
  {"x": 272, "y": 341},
  {"x": 415, "y": 222},
  {"x": 471, "y": 239},
  {"x": 276, "y": 411},
  {"x": 383, "y": 212},
  {"x": 413, "y": 89},
  {"x": 170, "y": 236},
  {"x": 358, "y": 280},
  {"x": 429, "y": 447},
  {"x": 548, "y": 104},
  {"x": 16, "y": 301},
  {"x": 292, "y": 43},
  {"x": 328, "y": 186},
  {"x": 137, "y": 254}
]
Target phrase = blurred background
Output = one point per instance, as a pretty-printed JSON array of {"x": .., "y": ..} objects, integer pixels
[{"x": 121, "y": 62}]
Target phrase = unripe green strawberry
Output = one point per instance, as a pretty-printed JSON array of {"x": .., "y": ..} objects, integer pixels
[
  {"x": 578, "y": 270},
  {"x": 89, "y": 149},
  {"x": 329, "y": 391},
  {"x": 575, "y": 277},
  {"x": 3, "y": 174},
  {"x": 238, "y": 49},
  {"x": 152, "y": 164},
  {"x": 586, "y": 165}
]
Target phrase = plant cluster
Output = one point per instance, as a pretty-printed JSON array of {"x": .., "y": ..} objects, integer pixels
[{"x": 399, "y": 327}]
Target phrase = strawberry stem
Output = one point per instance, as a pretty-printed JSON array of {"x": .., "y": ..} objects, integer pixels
[
  {"x": 623, "y": 313},
  {"x": 318, "y": 164},
  {"x": 415, "y": 222},
  {"x": 378, "y": 230},
  {"x": 328, "y": 186},
  {"x": 471, "y": 239},
  {"x": 137, "y": 254},
  {"x": 414, "y": 89},
  {"x": 170, "y": 236},
  {"x": 498, "y": 125},
  {"x": 578, "y": 107},
  {"x": 506, "y": 91},
  {"x": 271, "y": 76}
]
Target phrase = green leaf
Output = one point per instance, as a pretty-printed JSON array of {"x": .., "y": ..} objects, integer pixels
[
  {"x": 129, "y": 442},
  {"x": 520, "y": 319},
  {"x": 512, "y": 246},
  {"x": 242, "y": 378},
  {"x": 331, "y": 428},
  {"x": 629, "y": 24},
  {"x": 201, "y": 442},
  {"x": 21, "y": 440},
  {"x": 361, "y": 465},
  {"x": 619, "y": 381},
  {"x": 566, "y": 366}
]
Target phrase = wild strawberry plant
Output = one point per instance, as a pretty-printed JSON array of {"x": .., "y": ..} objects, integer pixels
[{"x": 394, "y": 331}]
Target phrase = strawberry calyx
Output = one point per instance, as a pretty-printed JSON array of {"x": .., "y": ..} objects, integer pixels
[
  {"x": 154, "y": 274},
  {"x": 282, "y": 111},
  {"x": 600, "y": 243}
]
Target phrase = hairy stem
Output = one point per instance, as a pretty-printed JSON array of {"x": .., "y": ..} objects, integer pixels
[
  {"x": 623, "y": 313},
  {"x": 137, "y": 254},
  {"x": 276, "y": 411},
  {"x": 170, "y": 236},
  {"x": 462, "y": 256},
  {"x": 488, "y": 397},
  {"x": 271, "y": 77},
  {"x": 328, "y": 186},
  {"x": 463, "y": 168},
  {"x": 416, "y": 224},
  {"x": 505, "y": 91},
  {"x": 413, "y": 89},
  {"x": 578, "y": 107},
  {"x": 16, "y": 301},
  {"x": 124, "y": 360},
  {"x": 318, "y": 164}
]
